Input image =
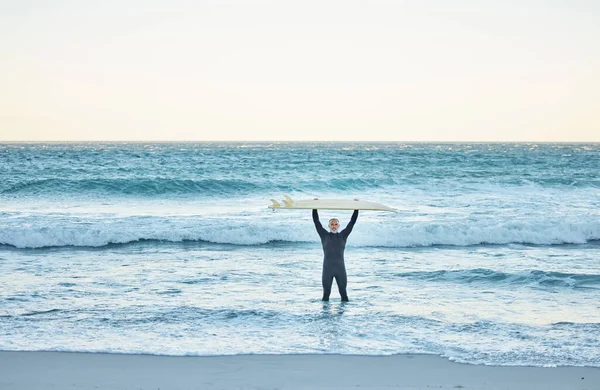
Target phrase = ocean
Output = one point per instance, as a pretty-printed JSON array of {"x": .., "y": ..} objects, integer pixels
[{"x": 169, "y": 248}]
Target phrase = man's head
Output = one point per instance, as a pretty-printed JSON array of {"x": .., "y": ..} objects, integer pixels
[{"x": 334, "y": 224}]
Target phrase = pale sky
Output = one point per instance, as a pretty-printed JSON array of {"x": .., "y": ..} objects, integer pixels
[{"x": 431, "y": 70}]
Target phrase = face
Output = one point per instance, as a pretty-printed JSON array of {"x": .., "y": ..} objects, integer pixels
[{"x": 334, "y": 224}]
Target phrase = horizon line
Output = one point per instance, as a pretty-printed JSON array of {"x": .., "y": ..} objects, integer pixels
[{"x": 296, "y": 141}]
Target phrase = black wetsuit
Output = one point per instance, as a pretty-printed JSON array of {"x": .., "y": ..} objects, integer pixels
[{"x": 333, "y": 259}]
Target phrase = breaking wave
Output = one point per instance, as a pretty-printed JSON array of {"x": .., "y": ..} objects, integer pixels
[{"x": 261, "y": 231}]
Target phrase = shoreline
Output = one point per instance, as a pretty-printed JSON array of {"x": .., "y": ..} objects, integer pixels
[{"x": 20, "y": 370}]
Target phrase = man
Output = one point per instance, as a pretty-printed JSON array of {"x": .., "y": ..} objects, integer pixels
[{"x": 334, "y": 244}]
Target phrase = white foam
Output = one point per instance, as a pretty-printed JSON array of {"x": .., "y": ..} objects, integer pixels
[{"x": 38, "y": 232}]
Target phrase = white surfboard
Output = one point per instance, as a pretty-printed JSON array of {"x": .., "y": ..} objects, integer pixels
[{"x": 328, "y": 204}]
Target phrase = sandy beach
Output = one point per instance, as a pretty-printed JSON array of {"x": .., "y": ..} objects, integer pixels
[{"x": 56, "y": 370}]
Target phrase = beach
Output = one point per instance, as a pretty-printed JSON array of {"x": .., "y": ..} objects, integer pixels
[
  {"x": 300, "y": 195},
  {"x": 56, "y": 370}
]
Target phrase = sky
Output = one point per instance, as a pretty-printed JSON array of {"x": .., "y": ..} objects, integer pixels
[{"x": 430, "y": 70}]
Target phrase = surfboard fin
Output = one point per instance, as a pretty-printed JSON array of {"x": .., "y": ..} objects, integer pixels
[
  {"x": 287, "y": 201},
  {"x": 275, "y": 204}
]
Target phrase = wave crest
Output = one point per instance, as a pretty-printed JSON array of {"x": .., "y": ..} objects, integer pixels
[
  {"x": 58, "y": 232},
  {"x": 487, "y": 276}
]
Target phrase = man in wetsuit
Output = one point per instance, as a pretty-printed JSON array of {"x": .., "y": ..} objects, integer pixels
[{"x": 334, "y": 244}]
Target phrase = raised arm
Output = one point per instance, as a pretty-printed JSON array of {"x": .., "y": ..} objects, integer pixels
[
  {"x": 318, "y": 226},
  {"x": 348, "y": 229}
]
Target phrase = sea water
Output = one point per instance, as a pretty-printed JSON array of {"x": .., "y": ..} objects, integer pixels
[{"x": 169, "y": 248}]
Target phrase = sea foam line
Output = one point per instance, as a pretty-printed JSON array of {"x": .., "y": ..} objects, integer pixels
[{"x": 99, "y": 233}]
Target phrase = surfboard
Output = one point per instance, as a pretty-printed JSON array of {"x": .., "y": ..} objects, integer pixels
[{"x": 328, "y": 204}]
